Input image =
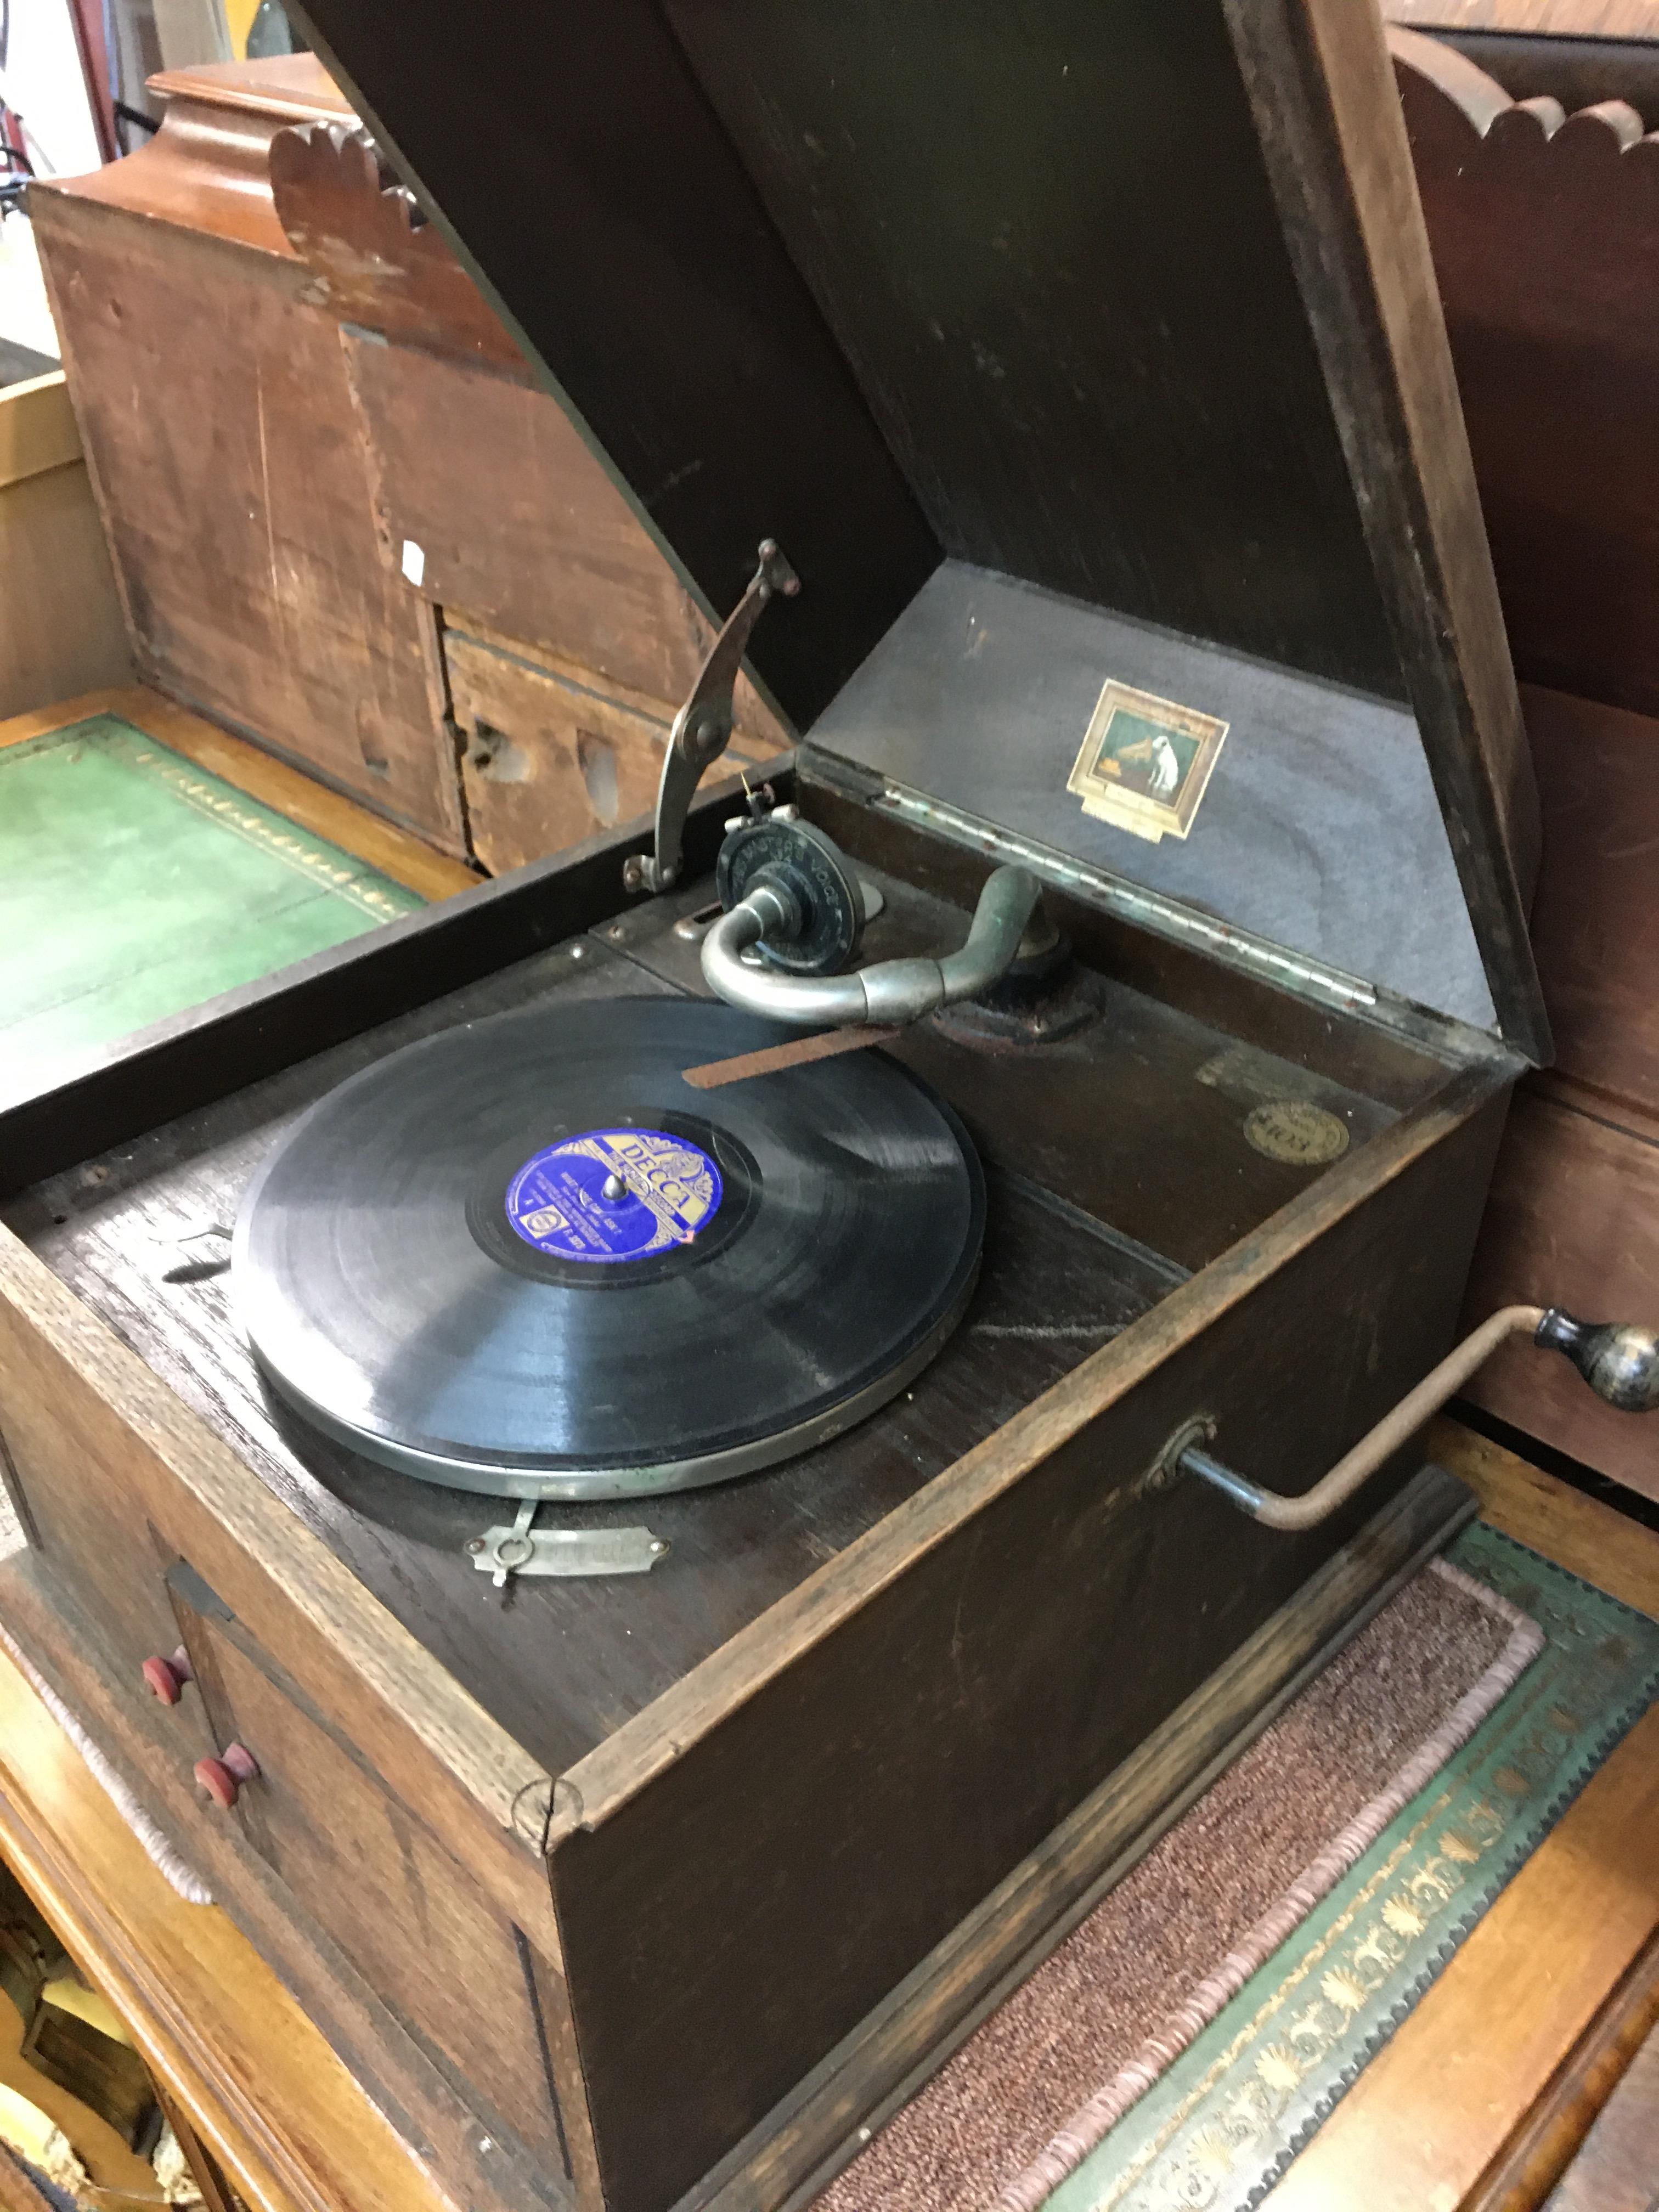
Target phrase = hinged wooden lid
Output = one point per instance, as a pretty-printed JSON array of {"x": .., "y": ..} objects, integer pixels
[{"x": 1128, "y": 301}]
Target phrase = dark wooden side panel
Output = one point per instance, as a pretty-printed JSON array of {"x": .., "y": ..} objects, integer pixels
[
  {"x": 1043, "y": 234},
  {"x": 412, "y": 1920},
  {"x": 905, "y": 1762}
]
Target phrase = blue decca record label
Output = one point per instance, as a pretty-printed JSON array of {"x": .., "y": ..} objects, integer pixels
[{"x": 614, "y": 1194}]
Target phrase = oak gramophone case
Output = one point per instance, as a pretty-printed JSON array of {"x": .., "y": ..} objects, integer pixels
[{"x": 1085, "y": 362}]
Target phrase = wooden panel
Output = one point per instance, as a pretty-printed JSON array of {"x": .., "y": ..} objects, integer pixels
[
  {"x": 374, "y": 259},
  {"x": 518, "y": 523},
  {"x": 1429, "y": 2114},
  {"x": 547, "y": 763},
  {"x": 651, "y": 286},
  {"x": 211, "y": 2017},
  {"x": 234, "y": 490},
  {"x": 993, "y": 1652},
  {"x": 1595, "y": 920},
  {"x": 364, "y": 1868},
  {"x": 1578, "y": 1533},
  {"x": 1567, "y": 18},
  {"x": 1573, "y": 1221},
  {"x": 1618, "y": 2165},
  {"x": 37, "y": 427},
  {"x": 550, "y": 760},
  {"x": 1545, "y": 243},
  {"x": 314, "y": 2094},
  {"x": 63, "y": 631}
]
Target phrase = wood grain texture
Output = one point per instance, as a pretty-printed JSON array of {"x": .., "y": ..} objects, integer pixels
[
  {"x": 1573, "y": 1220},
  {"x": 1595, "y": 929},
  {"x": 1563, "y": 19},
  {"x": 374, "y": 257},
  {"x": 109, "y": 1411},
  {"x": 1603, "y": 1546},
  {"x": 1022, "y": 1588},
  {"x": 1545, "y": 246},
  {"x": 1318, "y": 79},
  {"x": 666, "y": 314},
  {"x": 214, "y": 2023},
  {"x": 995, "y": 1947},
  {"x": 64, "y": 631},
  {"x": 1435, "y": 2106},
  {"x": 251, "y": 574},
  {"x": 1618, "y": 2168},
  {"x": 37, "y": 429},
  {"x": 368, "y": 1871},
  {"x": 301, "y": 799},
  {"x": 524, "y": 534},
  {"x": 1549, "y": 2137}
]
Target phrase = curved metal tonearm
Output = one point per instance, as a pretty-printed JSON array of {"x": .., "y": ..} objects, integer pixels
[
  {"x": 1620, "y": 1362},
  {"x": 890, "y": 991}
]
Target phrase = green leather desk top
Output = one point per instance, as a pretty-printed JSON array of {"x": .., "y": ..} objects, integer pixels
[{"x": 134, "y": 884}]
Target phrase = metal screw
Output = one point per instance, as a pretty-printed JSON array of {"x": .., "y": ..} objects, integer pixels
[
  {"x": 615, "y": 930},
  {"x": 476, "y": 1545},
  {"x": 659, "y": 1545},
  {"x": 578, "y": 952}
]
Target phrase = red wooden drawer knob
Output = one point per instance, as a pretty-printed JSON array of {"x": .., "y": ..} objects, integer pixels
[
  {"x": 222, "y": 1777},
  {"x": 168, "y": 1677}
]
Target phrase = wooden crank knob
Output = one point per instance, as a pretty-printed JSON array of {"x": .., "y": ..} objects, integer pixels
[
  {"x": 165, "y": 1678},
  {"x": 222, "y": 1777}
]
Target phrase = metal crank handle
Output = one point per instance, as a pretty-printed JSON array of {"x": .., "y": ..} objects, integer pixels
[
  {"x": 889, "y": 991},
  {"x": 1620, "y": 1362}
]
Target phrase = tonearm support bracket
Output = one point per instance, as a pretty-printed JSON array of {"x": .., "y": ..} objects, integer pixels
[
  {"x": 1619, "y": 1362},
  {"x": 702, "y": 728}
]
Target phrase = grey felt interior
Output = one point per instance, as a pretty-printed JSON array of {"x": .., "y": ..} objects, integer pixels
[{"x": 1320, "y": 829}]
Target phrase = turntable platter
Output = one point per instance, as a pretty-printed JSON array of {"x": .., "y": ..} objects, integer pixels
[{"x": 524, "y": 1257}]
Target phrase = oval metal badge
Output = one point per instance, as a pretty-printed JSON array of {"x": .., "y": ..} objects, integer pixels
[{"x": 1292, "y": 1130}]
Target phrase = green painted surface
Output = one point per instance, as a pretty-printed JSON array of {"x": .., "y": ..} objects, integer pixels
[
  {"x": 134, "y": 885},
  {"x": 1222, "y": 2124}
]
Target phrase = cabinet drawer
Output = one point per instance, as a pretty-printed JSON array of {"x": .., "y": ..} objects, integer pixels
[
  {"x": 90, "y": 1527},
  {"x": 458, "y": 1973}
]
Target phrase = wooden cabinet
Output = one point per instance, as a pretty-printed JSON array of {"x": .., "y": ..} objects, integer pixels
[{"x": 317, "y": 453}]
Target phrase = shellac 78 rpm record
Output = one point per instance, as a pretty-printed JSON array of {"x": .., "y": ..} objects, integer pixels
[{"x": 526, "y": 1257}]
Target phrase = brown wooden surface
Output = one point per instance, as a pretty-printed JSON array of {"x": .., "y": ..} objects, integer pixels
[
  {"x": 301, "y": 799},
  {"x": 1561, "y": 19},
  {"x": 372, "y": 261},
  {"x": 1342, "y": 168},
  {"x": 1618, "y": 2168},
  {"x": 1545, "y": 244},
  {"x": 234, "y": 489},
  {"x": 153, "y": 1749},
  {"x": 995, "y": 1947},
  {"x": 525, "y": 536},
  {"x": 290, "y": 2124},
  {"x": 1595, "y": 920},
  {"x": 63, "y": 630},
  {"x": 1027, "y": 1586},
  {"x": 1435, "y": 2113},
  {"x": 399, "y": 1905},
  {"x": 1549, "y": 2137},
  {"x": 1573, "y": 1220}
]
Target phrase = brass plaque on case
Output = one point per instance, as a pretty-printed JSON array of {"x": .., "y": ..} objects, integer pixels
[
  {"x": 1292, "y": 1130},
  {"x": 1146, "y": 761}
]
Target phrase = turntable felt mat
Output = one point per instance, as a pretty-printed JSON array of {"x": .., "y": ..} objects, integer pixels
[{"x": 134, "y": 884}]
